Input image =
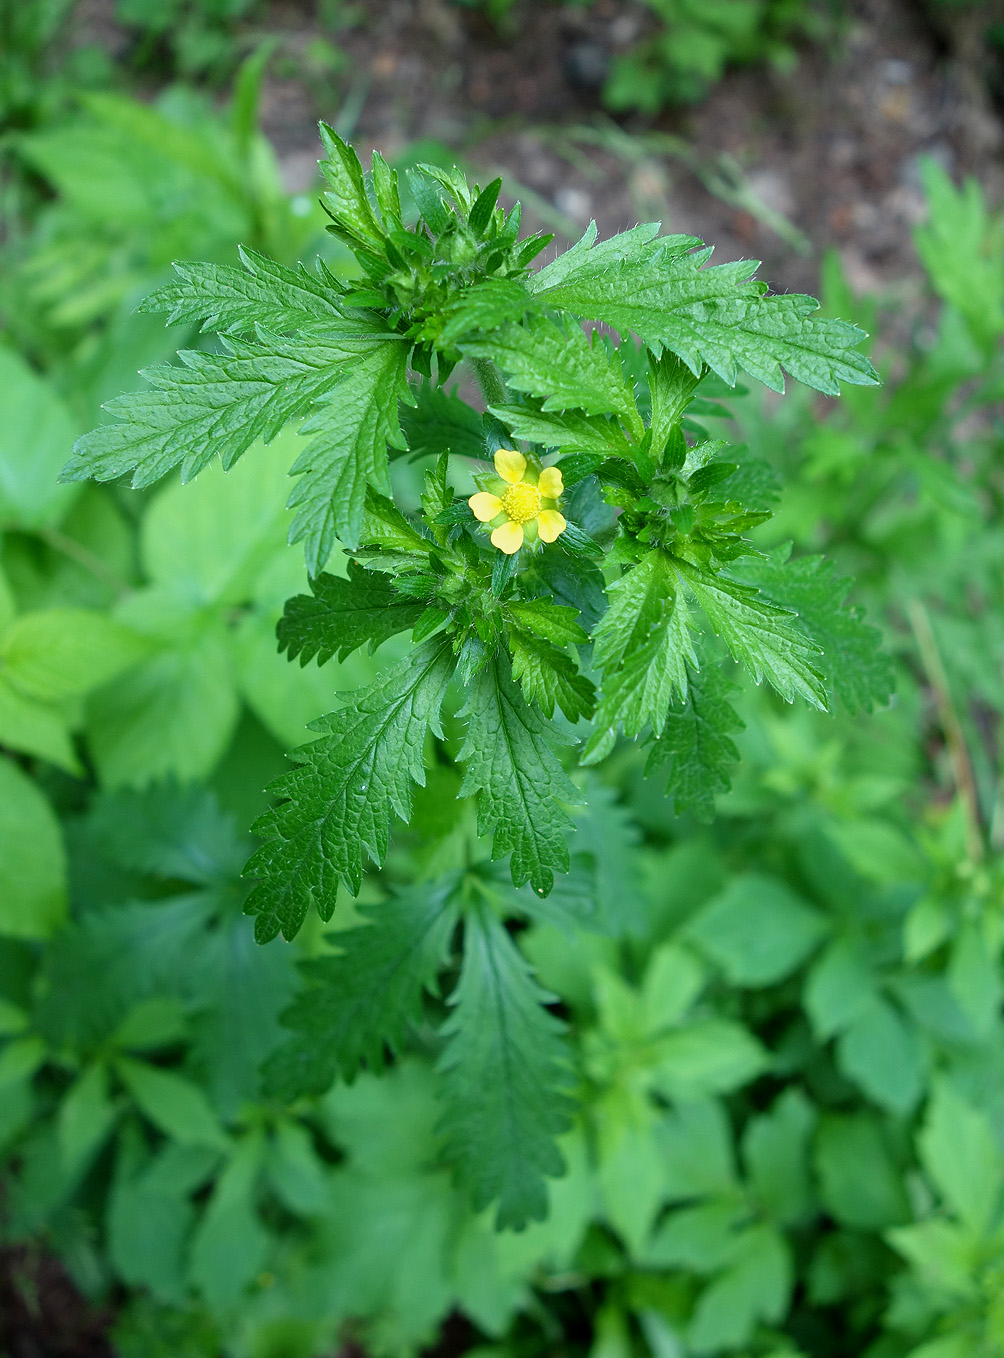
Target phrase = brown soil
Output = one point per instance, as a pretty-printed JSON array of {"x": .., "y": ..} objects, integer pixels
[
  {"x": 42, "y": 1315},
  {"x": 832, "y": 147}
]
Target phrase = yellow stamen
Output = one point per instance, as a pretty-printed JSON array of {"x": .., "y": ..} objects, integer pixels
[{"x": 521, "y": 502}]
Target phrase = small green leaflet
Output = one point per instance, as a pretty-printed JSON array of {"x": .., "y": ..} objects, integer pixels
[
  {"x": 547, "y": 674},
  {"x": 228, "y": 300},
  {"x": 572, "y": 432},
  {"x": 717, "y": 316},
  {"x": 640, "y": 691},
  {"x": 360, "y": 1002},
  {"x": 641, "y": 644},
  {"x": 351, "y": 211},
  {"x": 483, "y": 306},
  {"x": 695, "y": 748},
  {"x": 337, "y": 803},
  {"x": 505, "y": 1078},
  {"x": 760, "y": 634},
  {"x": 343, "y": 614},
  {"x": 353, "y": 427},
  {"x": 517, "y": 778},
  {"x": 857, "y": 671},
  {"x": 213, "y": 405},
  {"x": 588, "y": 263},
  {"x": 637, "y": 602},
  {"x": 563, "y": 367}
]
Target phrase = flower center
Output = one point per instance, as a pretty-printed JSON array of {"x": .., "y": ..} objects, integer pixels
[{"x": 521, "y": 502}]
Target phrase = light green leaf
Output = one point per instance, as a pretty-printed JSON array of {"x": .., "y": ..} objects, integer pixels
[
  {"x": 173, "y": 1103},
  {"x": 695, "y": 1143},
  {"x": 775, "y": 1150},
  {"x": 59, "y": 653},
  {"x": 960, "y": 1153},
  {"x": 35, "y": 727},
  {"x": 173, "y": 714},
  {"x": 32, "y": 859},
  {"x": 860, "y": 1184},
  {"x": 712, "y": 1056},
  {"x": 838, "y": 988},
  {"x": 756, "y": 1286},
  {"x": 86, "y": 1116},
  {"x": 219, "y": 540},
  {"x": 230, "y": 1242},
  {"x": 757, "y": 930},
  {"x": 36, "y": 433},
  {"x": 881, "y": 1051}
]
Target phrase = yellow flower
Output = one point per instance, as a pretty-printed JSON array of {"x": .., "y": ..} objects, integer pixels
[{"x": 527, "y": 506}]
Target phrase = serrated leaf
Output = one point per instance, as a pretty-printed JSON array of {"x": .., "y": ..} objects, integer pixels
[
  {"x": 336, "y": 805},
  {"x": 696, "y": 746},
  {"x": 571, "y": 432},
  {"x": 352, "y": 428},
  {"x": 716, "y": 316},
  {"x": 649, "y": 672},
  {"x": 229, "y": 300},
  {"x": 562, "y": 367},
  {"x": 854, "y": 666},
  {"x": 484, "y": 305},
  {"x": 351, "y": 210},
  {"x": 760, "y": 634},
  {"x": 549, "y": 676},
  {"x": 343, "y": 614},
  {"x": 217, "y": 405},
  {"x": 671, "y": 385},
  {"x": 586, "y": 262},
  {"x": 361, "y": 1001},
  {"x": 501, "y": 1129},
  {"x": 511, "y": 766}
]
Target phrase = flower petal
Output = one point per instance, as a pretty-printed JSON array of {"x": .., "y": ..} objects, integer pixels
[
  {"x": 550, "y": 525},
  {"x": 485, "y": 505},
  {"x": 550, "y": 483},
  {"x": 508, "y": 538},
  {"x": 510, "y": 465}
]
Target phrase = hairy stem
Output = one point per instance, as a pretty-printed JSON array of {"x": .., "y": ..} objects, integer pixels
[{"x": 493, "y": 388}]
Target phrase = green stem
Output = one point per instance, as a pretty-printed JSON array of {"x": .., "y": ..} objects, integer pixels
[
  {"x": 493, "y": 388},
  {"x": 962, "y": 767}
]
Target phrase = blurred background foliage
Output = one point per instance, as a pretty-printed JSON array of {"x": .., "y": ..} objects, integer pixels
[{"x": 787, "y": 1022}]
